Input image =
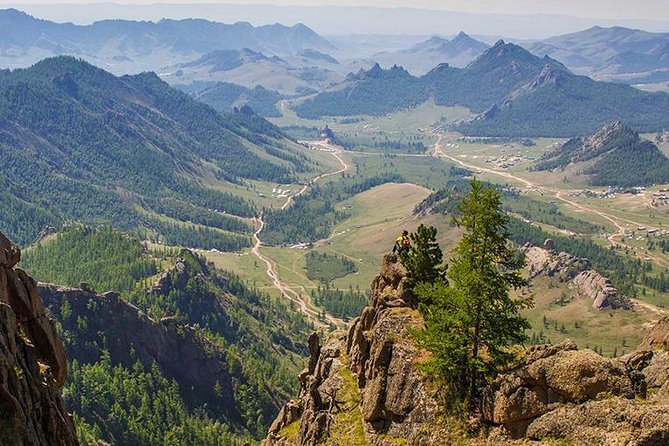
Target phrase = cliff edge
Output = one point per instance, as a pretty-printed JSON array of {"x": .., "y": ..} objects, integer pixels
[{"x": 33, "y": 364}]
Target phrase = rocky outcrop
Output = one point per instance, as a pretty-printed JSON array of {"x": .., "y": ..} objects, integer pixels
[
  {"x": 577, "y": 272},
  {"x": 391, "y": 400},
  {"x": 582, "y": 398},
  {"x": 600, "y": 289},
  {"x": 33, "y": 365},
  {"x": 558, "y": 392},
  {"x": 560, "y": 265}
]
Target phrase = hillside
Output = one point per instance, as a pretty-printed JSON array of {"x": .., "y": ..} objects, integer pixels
[
  {"x": 199, "y": 336},
  {"x": 513, "y": 92},
  {"x": 616, "y": 53},
  {"x": 423, "y": 56},
  {"x": 226, "y": 96},
  {"x": 124, "y": 46},
  {"x": 80, "y": 144},
  {"x": 619, "y": 158}
]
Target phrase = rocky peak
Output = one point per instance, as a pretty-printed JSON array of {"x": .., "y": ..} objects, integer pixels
[
  {"x": 366, "y": 377},
  {"x": 33, "y": 365}
]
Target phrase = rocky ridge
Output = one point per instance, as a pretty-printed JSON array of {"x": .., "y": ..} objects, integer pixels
[
  {"x": 364, "y": 388},
  {"x": 577, "y": 272},
  {"x": 33, "y": 364}
]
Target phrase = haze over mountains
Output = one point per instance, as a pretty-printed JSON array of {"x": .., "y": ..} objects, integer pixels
[
  {"x": 295, "y": 59},
  {"x": 338, "y": 20},
  {"x": 515, "y": 92}
]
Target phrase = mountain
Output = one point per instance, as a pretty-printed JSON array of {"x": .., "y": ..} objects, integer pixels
[
  {"x": 211, "y": 357},
  {"x": 423, "y": 56},
  {"x": 368, "y": 387},
  {"x": 366, "y": 93},
  {"x": 245, "y": 67},
  {"x": 514, "y": 93},
  {"x": 80, "y": 144},
  {"x": 32, "y": 362},
  {"x": 225, "y": 97},
  {"x": 123, "y": 46},
  {"x": 615, "y": 156},
  {"x": 616, "y": 53}
]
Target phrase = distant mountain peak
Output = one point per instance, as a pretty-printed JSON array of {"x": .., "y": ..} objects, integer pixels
[{"x": 461, "y": 36}]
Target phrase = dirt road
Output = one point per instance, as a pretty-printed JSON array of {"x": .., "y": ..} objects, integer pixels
[{"x": 304, "y": 304}]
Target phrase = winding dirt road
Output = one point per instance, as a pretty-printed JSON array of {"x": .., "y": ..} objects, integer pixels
[{"x": 304, "y": 304}]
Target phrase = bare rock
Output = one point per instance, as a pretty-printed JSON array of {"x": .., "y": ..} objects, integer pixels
[
  {"x": 33, "y": 364},
  {"x": 600, "y": 289},
  {"x": 609, "y": 422},
  {"x": 553, "y": 376},
  {"x": 658, "y": 337},
  {"x": 563, "y": 266}
]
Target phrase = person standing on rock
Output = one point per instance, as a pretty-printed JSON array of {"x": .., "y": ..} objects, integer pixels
[{"x": 402, "y": 243}]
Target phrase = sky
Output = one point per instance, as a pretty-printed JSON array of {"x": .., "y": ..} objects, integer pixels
[{"x": 629, "y": 9}]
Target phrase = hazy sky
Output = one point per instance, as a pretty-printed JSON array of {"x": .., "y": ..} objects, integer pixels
[{"x": 630, "y": 9}]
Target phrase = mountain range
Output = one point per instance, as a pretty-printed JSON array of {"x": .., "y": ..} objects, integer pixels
[
  {"x": 514, "y": 93},
  {"x": 78, "y": 143},
  {"x": 289, "y": 75},
  {"x": 124, "y": 46}
]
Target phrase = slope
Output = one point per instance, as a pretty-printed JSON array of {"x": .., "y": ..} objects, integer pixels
[
  {"x": 78, "y": 143},
  {"x": 620, "y": 158},
  {"x": 422, "y": 57},
  {"x": 198, "y": 335},
  {"x": 615, "y": 53}
]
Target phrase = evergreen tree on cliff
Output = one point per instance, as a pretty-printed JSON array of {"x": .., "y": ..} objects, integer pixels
[{"x": 471, "y": 323}]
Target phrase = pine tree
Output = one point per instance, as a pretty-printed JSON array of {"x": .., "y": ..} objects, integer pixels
[
  {"x": 423, "y": 261},
  {"x": 470, "y": 324}
]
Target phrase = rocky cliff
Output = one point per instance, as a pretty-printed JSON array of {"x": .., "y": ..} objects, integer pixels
[
  {"x": 33, "y": 365},
  {"x": 364, "y": 388}
]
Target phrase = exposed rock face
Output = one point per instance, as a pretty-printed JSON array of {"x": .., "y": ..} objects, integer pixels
[
  {"x": 658, "y": 337},
  {"x": 583, "y": 398},
  {"x": 33, "y": 365},
  {"x": 600, "y": 290},
  {"x": 394, "y": 402},
  {"x": 561, "y": 265},
  {"x": 577, "y": 272}
]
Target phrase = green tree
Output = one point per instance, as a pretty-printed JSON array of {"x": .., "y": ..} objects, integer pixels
[
  {"x": 424, "y": 259},
  {"x": 470, "y": 324}
]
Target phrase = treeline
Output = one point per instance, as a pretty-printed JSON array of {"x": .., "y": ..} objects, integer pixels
[
  {"x": 339, "y": 303},
  {"x": 192, "y": 236},
  {"x": 103, "y": 258},
  {"x": 187, "y": 212}
]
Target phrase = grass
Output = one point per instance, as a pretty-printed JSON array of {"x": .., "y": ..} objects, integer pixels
[{"x": 347, "y": 426}]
